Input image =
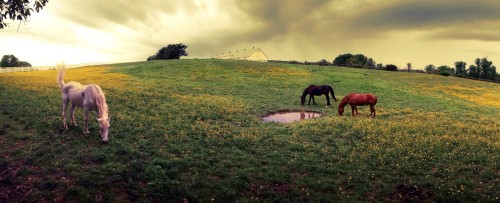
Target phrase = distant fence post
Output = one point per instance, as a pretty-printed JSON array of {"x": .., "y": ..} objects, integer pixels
[{"x": 22, "y": 69}]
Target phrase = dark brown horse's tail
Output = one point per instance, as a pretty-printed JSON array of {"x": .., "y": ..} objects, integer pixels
[{"x": 331, "y": 92}]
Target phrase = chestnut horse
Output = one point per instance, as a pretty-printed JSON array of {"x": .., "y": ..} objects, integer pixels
[
  {"x": 354, "y": 100},
  {"x": 317, "y": 90}
]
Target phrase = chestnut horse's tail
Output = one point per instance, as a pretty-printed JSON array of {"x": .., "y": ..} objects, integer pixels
[{"x": 332, "y": 93}]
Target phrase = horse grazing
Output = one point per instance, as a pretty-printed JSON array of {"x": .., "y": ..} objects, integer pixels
[
  {"x": 354, "y": 100},
  {"x": 317, "y": 90},
  {"x": 90, "y": 98}
]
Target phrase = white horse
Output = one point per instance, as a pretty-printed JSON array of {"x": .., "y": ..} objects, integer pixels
[{"x": 90, "y": 98}]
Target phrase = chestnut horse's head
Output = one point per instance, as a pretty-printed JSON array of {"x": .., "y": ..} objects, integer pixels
[{"x": 341, "y": 111}]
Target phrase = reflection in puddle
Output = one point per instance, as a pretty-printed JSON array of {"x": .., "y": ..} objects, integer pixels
[{"x": 290, "y": 116}]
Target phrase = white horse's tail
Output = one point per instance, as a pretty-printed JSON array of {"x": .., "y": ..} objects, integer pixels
[{"x": 60, "y": 77}]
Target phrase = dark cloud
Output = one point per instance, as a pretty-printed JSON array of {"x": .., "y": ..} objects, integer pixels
[
  {"x": 481, "y": 34},
  {"x": 315, "y": 24},
  {"x": 277, "y": 21},
  {"x": 275, "y": 18},
  {"x": 99, "y": 14},
  {"x": 425, "y": 15}
]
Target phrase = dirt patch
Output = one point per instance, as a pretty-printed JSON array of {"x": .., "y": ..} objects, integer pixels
[
  {"x": 411, "y": 193},
  {"x": 259, "y": 192},
  {"x": 20, "y": 181}
]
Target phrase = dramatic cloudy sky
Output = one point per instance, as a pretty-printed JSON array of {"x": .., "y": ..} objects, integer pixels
[{"x": 422, "y": 32}]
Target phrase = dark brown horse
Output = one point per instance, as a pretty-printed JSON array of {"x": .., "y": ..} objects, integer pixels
[
  {"x": 354, "y": 100},
  {"x": 317, "y": 90}
]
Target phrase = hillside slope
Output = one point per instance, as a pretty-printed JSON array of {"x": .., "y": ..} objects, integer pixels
[{"x": 192, "y": 130}]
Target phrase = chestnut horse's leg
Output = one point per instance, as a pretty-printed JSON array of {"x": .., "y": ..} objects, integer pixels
[
  {"x": 372, "y": 110},
  {"x": 352, "y": 110},
  {"x": 356, "y": 109}
]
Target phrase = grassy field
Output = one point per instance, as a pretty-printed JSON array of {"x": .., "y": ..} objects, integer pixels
[{"x": 191, "y": 130}]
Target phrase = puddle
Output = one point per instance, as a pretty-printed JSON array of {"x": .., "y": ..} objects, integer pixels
[{"x": 290, "y": 116}]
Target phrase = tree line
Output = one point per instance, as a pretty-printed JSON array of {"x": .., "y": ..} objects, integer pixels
[
  {"x": 360, "y": 61},
  {"x": 12, "y": 61},
  {"x": 481, "y": 69}
]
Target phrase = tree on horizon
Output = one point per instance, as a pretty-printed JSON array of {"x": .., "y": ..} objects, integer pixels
[
  {"x": 172, "y": 51},
  {"x": 9, "y": 61},
  {"x": 350, "y": 60}
]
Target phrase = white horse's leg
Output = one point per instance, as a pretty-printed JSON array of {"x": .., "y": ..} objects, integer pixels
[
  {"x": 72, "y": 115},
  {"x": 86, "y": 120},
  {"x": 64, "y": 108}
]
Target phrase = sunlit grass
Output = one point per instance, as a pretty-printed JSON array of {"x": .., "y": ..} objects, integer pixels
[
  {"x": 274, "y": 72},
  {"x": 480, "y": 95},
  {"x": 40, "y": 81}
]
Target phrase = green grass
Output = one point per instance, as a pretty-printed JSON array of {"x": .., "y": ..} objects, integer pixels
[{"x": 192, "y": 130}]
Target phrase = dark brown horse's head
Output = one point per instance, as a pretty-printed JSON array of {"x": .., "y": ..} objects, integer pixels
[{"x": 304, "y": 94}]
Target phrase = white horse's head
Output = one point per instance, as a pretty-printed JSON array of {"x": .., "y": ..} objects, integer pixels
[{"x": 104, "y": 125}]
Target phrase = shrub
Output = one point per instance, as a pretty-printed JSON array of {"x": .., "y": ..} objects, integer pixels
[
  {"x": 391, "y": 67},
  {"x": 445, "y": 70},
  {"x": 323, "y": 62},
  {"x": 431, "y": 69}
]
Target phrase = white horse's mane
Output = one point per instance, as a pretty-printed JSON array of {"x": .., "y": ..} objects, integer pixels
[{"x": 100, "y": 100}]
